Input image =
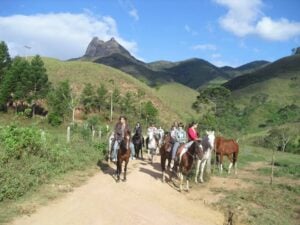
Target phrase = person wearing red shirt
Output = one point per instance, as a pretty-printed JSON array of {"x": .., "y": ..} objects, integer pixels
[{"x": 192, "y": 134}]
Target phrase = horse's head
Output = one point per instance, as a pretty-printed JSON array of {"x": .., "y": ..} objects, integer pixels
[
  {"x": 127, "y": 135},
  {"x": 210, "y": 139},
  {"x": 198, "y": 149}
]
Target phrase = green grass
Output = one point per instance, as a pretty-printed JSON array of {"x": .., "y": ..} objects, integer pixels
[
  {"x": 262, "y": 203},
  {"x": 178, "y": 98}
]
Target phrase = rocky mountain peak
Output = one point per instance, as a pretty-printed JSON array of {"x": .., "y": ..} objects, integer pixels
[{"x": 98, "y": 48}]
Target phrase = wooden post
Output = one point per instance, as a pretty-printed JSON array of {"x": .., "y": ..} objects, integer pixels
[
  {"x": 272, "y": 167},
  {"x": 43, "y": 136},
  {"x": 68, "y": 134},
  {"x": 93, "y": 135}
]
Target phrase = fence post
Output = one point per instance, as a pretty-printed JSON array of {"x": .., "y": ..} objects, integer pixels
[
  {"x": 43, "y": 136},
  {"x": 68, "y": 134},
  {"x": 93, "y": 134}
]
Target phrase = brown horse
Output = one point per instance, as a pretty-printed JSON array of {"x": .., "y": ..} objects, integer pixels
[
  {"x": 184, "y": 160},
  {"x": 228, "y": 147},
  {"x": 123, "y": 155},
  {"x": 165, "y": 153}
]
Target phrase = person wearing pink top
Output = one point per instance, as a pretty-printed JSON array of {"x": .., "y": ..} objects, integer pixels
[{"x": 192, "y": 134}]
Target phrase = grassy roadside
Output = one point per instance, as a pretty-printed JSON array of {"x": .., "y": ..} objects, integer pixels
[
  {"x": 35, "y": 168},
  {"x": 262, "y": 203}
]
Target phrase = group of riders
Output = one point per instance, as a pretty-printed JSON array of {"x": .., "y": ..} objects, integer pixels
[{"x": 179, "y": 136}]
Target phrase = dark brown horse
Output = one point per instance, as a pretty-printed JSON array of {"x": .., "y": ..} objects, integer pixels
[
  {"x": 165, "y": 153},
  {"x": 185, "y": 158},
  {"x": 228, "y": 147},
  {"x": 123, "y": 155},
  {"x": 138, "y": 142}
]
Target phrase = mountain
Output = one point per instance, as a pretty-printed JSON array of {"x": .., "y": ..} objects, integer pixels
[
  {"x": 194, "y": 73},
  {"x": 246, "y": 68},
  {"x": 286, "y": 65},
  {"x": 98, "y": 49}
]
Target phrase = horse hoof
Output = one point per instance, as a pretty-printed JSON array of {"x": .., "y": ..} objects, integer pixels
[{"x": 124, "y": 180}]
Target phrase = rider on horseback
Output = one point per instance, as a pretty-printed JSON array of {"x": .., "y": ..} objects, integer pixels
[
  {"x": 120, "y": 129},
  {"x": 180, "y": 138}
]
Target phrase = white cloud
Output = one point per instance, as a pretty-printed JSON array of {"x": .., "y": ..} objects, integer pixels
[
  {"x": 190, "y": 30},
  {"x": 59, "y": 35},
  {"x": 216, "y": 55},
  {"x": 205, "y": 47},
  {"x": 277, "y": 30},
  {"x": 245, "y": 17},
  {"x": 134, "y": 13}
]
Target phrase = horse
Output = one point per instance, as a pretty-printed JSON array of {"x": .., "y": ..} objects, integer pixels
[
  {"x": 228, "y": 147},
  {"x": 123, "y": 155},
  {"x": 138, "y": 142},
  {"x": 184, "y": 160},
  {"x": 165, "y": 153},
  {"x": 207, "y": 145},
  {"x": 152, "y": 144}
]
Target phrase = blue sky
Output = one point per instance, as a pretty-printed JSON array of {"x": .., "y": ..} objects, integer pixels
[{"x": 223, "y": 32}]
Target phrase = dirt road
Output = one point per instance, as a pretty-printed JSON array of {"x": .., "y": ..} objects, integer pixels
[{"x": 143, "y": 199}]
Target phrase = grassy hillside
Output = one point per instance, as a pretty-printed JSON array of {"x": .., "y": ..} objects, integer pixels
[
  {"x": 179, "y": 98},
  {"x": 279, "y": 68},
  {"x": 80, "y": 72}
]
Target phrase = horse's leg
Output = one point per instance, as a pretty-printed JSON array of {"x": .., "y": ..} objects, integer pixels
[
  {"x": 119, "y": 164},
  {"x": 230, "y": 165},
  {"x": 187, "y": 183},
  {"x": 125, "y": 169},
  {"x": 197, "y": 170},
  {"x": 152, "y": 154},
  {"x": 235, "y": 155},
  {"x": 202, "y": 170},
  {"x": 141, "y": 149},
  {"x": 181, "y": 181},
  {"x": 163, "y": 166},
  {"x": 221, "y": 163}
]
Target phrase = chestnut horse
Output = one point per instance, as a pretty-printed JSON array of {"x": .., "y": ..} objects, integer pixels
[
  {"x": 185, "y": 158},
  {"x": 228, "y": 147},
  {"x": 123, "y": 155},
  {"x": 165, "y": 153},
  {"x": 207, "y": 145}
]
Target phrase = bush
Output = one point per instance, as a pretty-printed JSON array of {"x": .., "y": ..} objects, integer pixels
[
  {"x": 54, "y": 119},
  {"x": 18, "y": 141}
]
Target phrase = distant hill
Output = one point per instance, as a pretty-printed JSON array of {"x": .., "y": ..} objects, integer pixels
[
  {"x": 282, "y": 66},
  {"x": 268, "y": 90}
]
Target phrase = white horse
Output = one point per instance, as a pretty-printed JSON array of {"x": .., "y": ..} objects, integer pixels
[
  {"x": 207, "y": 146},
  {"x": 152, "y": 144}
]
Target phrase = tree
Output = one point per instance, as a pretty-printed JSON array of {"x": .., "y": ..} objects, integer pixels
[
  {"x": 277, "y": 139},
  {"x": 5, "y": 59},
  {"x": 149, "y": 112},
  {"x": 59, "y": 99},
  {"x": 101, "y": 97},
  {"x": 88, "y": 97},
  {"x": 14, "y": 84},
  {"x": 37, "y": 84},
  {"x": 218, "y": 96}
]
